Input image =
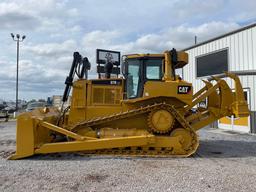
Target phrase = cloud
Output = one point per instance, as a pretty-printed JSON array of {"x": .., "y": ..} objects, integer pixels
[
  {"x": 52, "y": 49},
  {"x": 179, "y": 37},
  {"x": 196, "y": 8},
  {"x": 33, "y": 78},
  {"x": 11, "y": 16},
  {"x": 51, "y": 15},
  {"x": 57, "y": 28},
  {"x": 45, "y": 72}
]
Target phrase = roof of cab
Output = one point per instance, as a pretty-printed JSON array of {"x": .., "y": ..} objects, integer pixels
[{"x": 133, "y": 56}]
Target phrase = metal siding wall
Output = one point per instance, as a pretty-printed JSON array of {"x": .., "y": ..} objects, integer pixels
[
  {"x": 252, "y": 85},
  {"x": 253, "y": 67},
  {"x": 242, "y": 56},
  {"x": 249, "y": 82}
]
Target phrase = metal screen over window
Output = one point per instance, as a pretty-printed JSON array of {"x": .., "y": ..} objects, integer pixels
[{"x": 212, "y": 64}]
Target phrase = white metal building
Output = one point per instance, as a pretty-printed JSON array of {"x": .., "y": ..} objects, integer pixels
[{"x": 235, "y": 52}]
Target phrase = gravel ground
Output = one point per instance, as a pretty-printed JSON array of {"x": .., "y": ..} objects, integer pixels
[{"x": 225, "y": 161}]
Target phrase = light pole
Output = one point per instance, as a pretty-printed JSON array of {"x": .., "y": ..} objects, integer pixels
[{"x": 18, "y": 39}]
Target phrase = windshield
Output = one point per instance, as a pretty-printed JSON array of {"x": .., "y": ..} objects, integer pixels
[{"x": 133, "y": 78}]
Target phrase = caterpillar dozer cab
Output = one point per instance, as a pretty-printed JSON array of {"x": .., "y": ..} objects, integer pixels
[{"x": 149, "y": 111}]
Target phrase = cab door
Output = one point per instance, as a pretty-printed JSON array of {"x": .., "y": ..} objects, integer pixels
[{"x": 134, "y": 79}]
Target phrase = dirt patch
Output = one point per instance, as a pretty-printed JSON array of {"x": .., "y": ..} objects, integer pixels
[
  {"x": 95, "y": 178},
  {"x": 6, "y": 153},
  {"x": 75, "y": 187},
  {"x": 8, "y": 142},
  {"x": 147, "y": 164}
]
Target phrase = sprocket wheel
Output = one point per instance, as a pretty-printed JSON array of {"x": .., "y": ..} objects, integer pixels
[{"x": 160, "y": 121}]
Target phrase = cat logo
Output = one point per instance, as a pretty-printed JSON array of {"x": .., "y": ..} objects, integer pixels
[{"x": 184, "y": 89}]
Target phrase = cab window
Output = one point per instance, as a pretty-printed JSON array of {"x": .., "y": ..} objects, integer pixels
[{"x": 154, "y": 69}]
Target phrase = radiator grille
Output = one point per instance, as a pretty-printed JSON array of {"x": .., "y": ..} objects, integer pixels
[{"x": 106, "y": 96}]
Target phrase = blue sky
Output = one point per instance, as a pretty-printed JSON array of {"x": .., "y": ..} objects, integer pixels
[{"x": 55, "y": 29}]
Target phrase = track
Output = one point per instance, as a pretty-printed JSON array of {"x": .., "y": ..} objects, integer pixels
[{"x": 142, "y": 151}]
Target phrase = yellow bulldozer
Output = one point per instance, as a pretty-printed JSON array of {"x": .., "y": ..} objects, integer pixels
[{"x": 146, "y": 111}]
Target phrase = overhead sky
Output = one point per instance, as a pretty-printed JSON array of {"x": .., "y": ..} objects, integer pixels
[{"x": 55, "y": 29}]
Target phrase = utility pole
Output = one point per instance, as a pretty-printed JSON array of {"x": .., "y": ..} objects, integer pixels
[
  {"x": 18, "y": 39},
  {"x": 195, "y": 40}
]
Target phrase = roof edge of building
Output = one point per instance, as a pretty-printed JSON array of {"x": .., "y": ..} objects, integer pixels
[{"x": 221, "y": 36}]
